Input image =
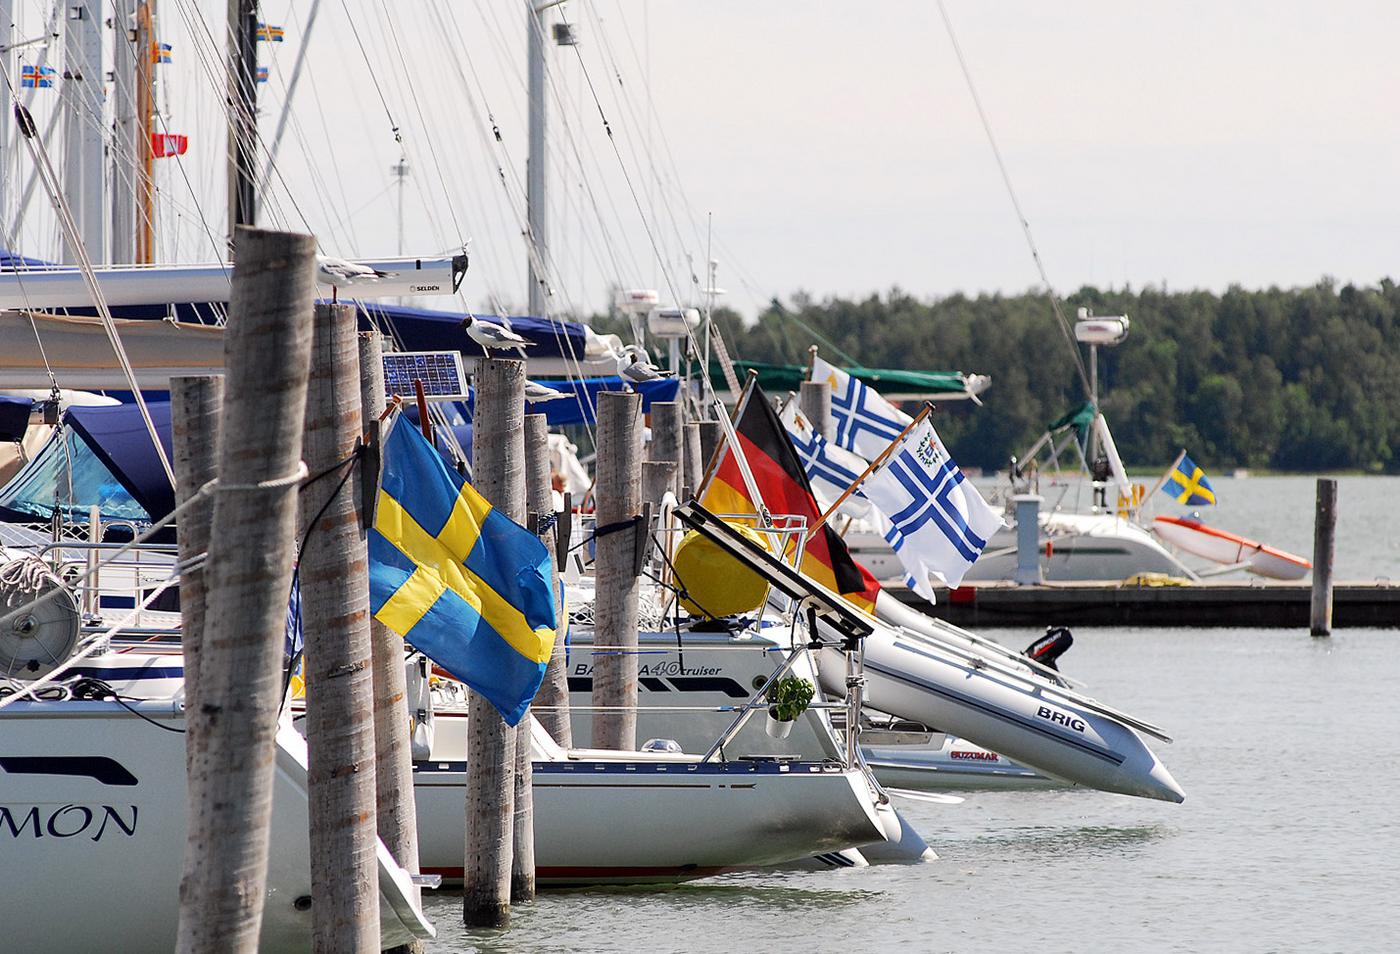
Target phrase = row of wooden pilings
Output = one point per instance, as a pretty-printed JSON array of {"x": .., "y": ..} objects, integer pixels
[{"x": 300, "y": 384}]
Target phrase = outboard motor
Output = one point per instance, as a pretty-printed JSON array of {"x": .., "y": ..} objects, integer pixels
[{"x": 1050, "y": 647}]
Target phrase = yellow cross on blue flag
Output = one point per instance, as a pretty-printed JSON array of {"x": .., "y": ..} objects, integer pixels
[
  {"x": 464, "y": 584},
  {"x": 1186, "y": 483}
]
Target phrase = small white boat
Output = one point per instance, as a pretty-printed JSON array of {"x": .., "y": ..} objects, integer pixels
[{"x": 1230, "y": 549}]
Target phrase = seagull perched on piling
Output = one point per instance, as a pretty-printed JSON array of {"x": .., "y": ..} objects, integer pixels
[
  {"x": 494, "y": 337},
  {"x": 634, "y": 369},
  {"x": 536, "y": 392}
]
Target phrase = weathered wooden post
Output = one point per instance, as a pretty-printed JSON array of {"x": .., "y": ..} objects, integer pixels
[
  {"x": 553, "y": 696},
  {"x": 334, "y": 579},
  {"x": 616, "y": 587},
  {"x": 658, "y": 476},
  {"x": 393, "y": 754},
  {"x": 815, "y": 402},
  {"x": 195, "y": 404},
  {"x": 694, "y": 461},
  {"x": 668, "y": 439},
  {"x": 498, "y": 453},
  {"x": 1324, "y": 545},
  {"x": 711, "y": 435},
  {"x": 231, "y": 734}
]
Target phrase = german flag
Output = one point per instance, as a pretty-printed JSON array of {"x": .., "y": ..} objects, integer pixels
[{"x": 782, "y": 482}]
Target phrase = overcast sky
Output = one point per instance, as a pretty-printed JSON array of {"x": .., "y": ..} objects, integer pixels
[{"x": 835, "y": 144}]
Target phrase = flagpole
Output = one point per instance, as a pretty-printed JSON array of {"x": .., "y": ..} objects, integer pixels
[
  {"x": 1165, "y": 474},
  {"x": 884, "y": 455}
]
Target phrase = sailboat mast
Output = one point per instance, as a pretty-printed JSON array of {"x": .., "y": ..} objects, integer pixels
[
  {"x": 127, "y": 129},
  {"x": 145, "y": 149},
  {"x": 536, "y": 200},
  {"x": 7, "y": 39},
  {"x": 82, "y": 96},
  {"x": 242, "y": 112}
]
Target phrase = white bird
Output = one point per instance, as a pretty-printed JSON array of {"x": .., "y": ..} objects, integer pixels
[
  {"x": 494, "y": 337},
  {"x": 634, "y": 369},
  {"x": 338, "y": 272},
  {"x": 534, "y": 391}
]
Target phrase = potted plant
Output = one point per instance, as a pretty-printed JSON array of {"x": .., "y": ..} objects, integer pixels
[{"x": 788, "y": 698}]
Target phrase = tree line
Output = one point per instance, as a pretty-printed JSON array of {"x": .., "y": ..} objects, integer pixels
[{"x": 1303, "y": 379}]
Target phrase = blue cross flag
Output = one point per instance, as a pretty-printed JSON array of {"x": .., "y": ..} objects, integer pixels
[
  {"x": 865, "y": 422},
  {"x": 939, "y": 523},
  {"x": 830, "y": 469}
]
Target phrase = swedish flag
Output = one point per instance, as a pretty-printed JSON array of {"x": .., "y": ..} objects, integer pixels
[
  {"x": 465, "y": 585},
  {"x": 1186, "y": 483}
]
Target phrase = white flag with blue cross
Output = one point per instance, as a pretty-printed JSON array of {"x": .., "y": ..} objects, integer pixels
[{"x": 865, "y": 423}]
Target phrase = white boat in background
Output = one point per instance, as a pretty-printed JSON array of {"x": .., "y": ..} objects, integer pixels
[{"x": 1230, "y": 549}]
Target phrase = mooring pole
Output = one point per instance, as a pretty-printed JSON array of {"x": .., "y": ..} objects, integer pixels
[
  {"x": 616, "y": 587},
  {"x": 553, "y": 697},
  {"x": 498, "y": 474},
  {"x": 668, "y": 439},
  {"x": 658, "y": 476},
  {"x": 815, "y": 402},
  {"x": 711, "y": 436},
  {"x": 195, "y": 403},
  {"x": 1324, "y": 545},
  {"x": 334, "y": 580},
  {"x": 393, "y": 753},
  {"x": 231, "y": 735},
  {"x": 694, "y": 462}
]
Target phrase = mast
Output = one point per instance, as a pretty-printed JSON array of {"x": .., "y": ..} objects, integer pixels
[
  {"x": 242, "y": 112},
  {"x": 7, "y": 39},
  {"x": 536, "y": 200},
  {"x": 146, "y": 120},
  {"x": 126, "y": 131},
  {"x": 82, "y": 100}
]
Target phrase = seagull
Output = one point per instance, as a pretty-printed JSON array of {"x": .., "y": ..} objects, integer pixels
[
  {"x": 338, "y": 271},
  {"x": 494, "y": 337},
  {"x": 634, "y": 369},
  {"x": 534, "y": 392}
]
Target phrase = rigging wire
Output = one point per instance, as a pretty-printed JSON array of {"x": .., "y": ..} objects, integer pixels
[{"x": 1015, "y": 203}]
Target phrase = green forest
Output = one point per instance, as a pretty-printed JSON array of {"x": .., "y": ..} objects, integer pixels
[{"x": 1304, "y": 379}]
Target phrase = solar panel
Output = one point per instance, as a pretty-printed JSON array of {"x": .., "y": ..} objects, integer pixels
[{"x": 440, "y": 371}]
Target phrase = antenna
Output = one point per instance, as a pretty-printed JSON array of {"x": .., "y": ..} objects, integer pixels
[{"x": 400, "y": 172}]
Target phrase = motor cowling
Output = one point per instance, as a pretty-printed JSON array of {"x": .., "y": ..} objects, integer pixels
[{"x": 1050, "y": 647}]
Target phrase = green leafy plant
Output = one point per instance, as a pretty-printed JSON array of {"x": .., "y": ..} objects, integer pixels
[{"x": 789, "y": 697}]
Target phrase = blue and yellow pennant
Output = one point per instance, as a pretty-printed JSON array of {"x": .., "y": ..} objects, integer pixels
[
  {"x": 1186, "y": 483},
  {"x": 464, "y": 584}
]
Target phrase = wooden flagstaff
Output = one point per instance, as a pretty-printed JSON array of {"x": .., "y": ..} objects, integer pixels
[{"x": 874, "y": 464}]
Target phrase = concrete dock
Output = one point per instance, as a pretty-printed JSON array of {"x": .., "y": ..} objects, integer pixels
[{"x": 1276, "y": 605}]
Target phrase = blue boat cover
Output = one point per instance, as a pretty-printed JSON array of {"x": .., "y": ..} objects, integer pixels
[
  {"x": 118, "y": 437},
  {"x": 14, "y": 417},
  {"x": 583, "y": 407}
]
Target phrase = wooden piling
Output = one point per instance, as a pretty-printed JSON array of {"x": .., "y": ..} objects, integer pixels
[
  {"x": 233, "y": 730},
  {"x": 658, "y": 476},
  {"x": 498, "y": 474},
  {"x": 195, "y": 404},
  {"x": 815, "y": 402},
  {"x": 694, "y": 460},
  {"x": 668, "y": 439},
  {"x": 711, "y": 436},
  {"x": 616, "y": 583},
  {"x": 553, "y": 697},
  {"x": 1324, "y": 545},
  {"x": 394, "y": 811},
  {"x": 334, "y": 579}
]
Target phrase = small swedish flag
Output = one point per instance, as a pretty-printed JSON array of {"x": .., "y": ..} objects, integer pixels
[
  {"x": 1186, "y": 483},
  {"x": 460, "y": 581}
]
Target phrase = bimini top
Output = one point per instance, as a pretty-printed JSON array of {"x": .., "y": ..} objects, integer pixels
[{"x": 101, "y": 456}]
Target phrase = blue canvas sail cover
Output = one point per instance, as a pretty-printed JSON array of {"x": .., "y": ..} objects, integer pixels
[
  {"x": 102, "y": 457},
  {"x": 14, "y": 417}
]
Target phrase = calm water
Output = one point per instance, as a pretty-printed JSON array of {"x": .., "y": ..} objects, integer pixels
[{"x": 1287, "y": 747}]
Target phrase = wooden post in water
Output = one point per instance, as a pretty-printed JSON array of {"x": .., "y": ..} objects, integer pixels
[
  {"x": 553, "y": 696},
  {"x": 694, "y": 462},
  {"x": 334, "y": 579},
  {"x": 711, "y": 436},
  {"x": 394, "y": 811},
  {"x": 231, "y": 734},
  {"x": 667, "y": 439},
  {"x": 498, "y": 474},
  {"x": 615, "y": 602},
  {"x": 195, "y": 404},
  {"x": 815, "y": 402},
  {"x": 658, "y": 476},
  {"x": 1324, "y": 545}
]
